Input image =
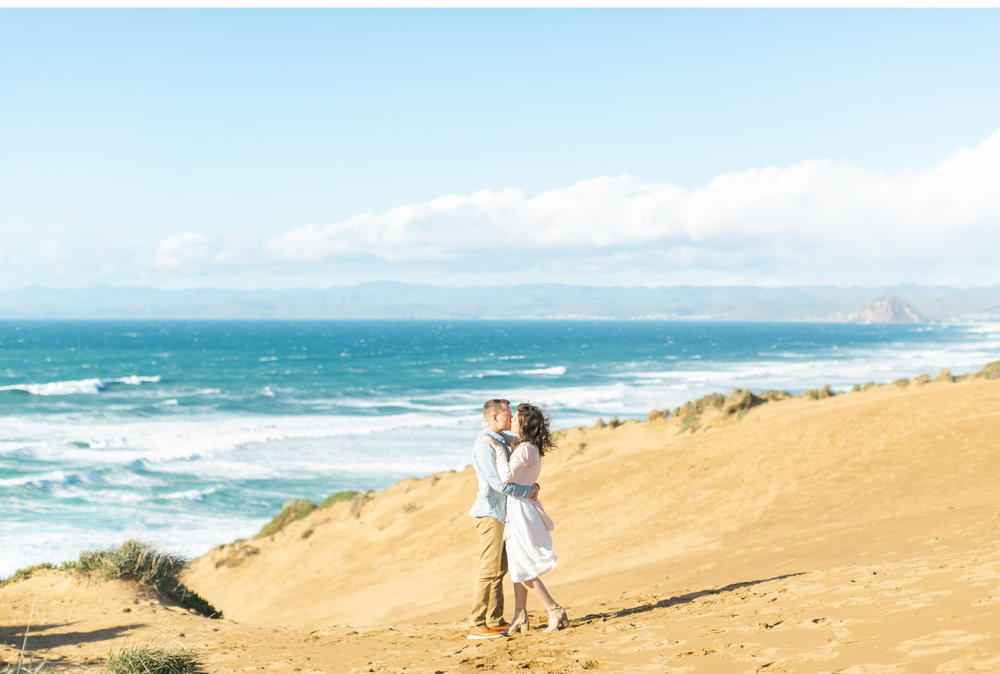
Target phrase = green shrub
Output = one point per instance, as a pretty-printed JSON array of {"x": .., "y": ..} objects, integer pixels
[
  {"x": 338, "y": 497},
  {"x": 149, "y": 659},
  {"x": 292, "y": 511},
  {"x": 903, "y": 382},
  {"x": 869, "y": 385},
  {"x": 139, "y": 562}
]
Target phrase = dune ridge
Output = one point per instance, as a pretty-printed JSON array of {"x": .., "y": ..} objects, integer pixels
[{"x": 855, "y": 533}]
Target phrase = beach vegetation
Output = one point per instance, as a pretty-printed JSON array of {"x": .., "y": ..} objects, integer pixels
[
  {"x": 657, "y": 415},
  {"x": 922, "y": 379},
  {"x": 22, "y": 574},
  {"x": 23, "y": 667},
  {"x": 869, "y": 385},
  {"x": 739, "y": 402},
  {"x": 826, "y": 392},
  {"x": 944, "y": 375},
  {"x": 855, "y": 388},
  {"x": 902, "y": 382},
  {"x": 697, "y": 407},
  {"x": 773, "y": 395},
  {"x": 292, "y": 511},
  {"x": 340, "y": 496},
  {"x": 690, "y": 423},
  {"x": 615, "y": 422},
  {"x": 149, "y": 659},
  {"x": 236, "y": 553},
  {"x": 358, "y": 502},
  {"x": 991, "y": 371},
  {"x": 600, "y": 423},
  {"x": 139, "y": 562},
  {"x": 811, "y": 393}
]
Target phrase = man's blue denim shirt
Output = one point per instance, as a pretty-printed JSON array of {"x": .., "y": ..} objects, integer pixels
[{"x": 491, "y": 499}]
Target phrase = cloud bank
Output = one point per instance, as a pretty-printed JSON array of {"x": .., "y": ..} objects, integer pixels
[
  {"x": 815, "y": 221},
  {"x": 813, "y": 217}
]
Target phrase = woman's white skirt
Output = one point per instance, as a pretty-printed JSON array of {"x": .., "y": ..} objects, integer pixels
[{"x": 529, "y": 543}]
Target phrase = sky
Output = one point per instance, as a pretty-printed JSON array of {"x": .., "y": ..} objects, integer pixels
[{"x": 311, "y": 148}]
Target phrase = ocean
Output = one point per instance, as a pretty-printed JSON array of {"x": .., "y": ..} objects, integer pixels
[{"x": 188, "y": 434}]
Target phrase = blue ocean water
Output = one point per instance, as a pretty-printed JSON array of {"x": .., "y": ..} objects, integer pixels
[{"x": 188, "y": 434}]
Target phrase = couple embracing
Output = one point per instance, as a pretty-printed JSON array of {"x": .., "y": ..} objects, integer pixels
[{"x": 507, "y": 465}]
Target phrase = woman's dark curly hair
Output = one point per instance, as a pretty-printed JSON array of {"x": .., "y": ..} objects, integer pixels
[{"x": 533, "y": 427}]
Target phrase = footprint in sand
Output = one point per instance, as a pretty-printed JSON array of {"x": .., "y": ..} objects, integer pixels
[
  {"x": 924, "y": 599},
  {"x": 939, "y": 642}
]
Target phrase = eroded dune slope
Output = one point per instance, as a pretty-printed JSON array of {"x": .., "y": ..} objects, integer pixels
[{"x": 859, "y": 533}]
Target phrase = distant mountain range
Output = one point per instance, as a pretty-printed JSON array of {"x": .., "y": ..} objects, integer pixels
[{"x": 389, "y": 300}]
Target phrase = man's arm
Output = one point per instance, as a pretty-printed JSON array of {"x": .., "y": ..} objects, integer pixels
[{"x": 484, "y": 457}]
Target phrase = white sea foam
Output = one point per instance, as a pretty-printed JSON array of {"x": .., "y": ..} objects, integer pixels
[
  {"x": 487, "y": 373},
  {"x": 59, "y": 388},
  {"x": 556, "y": 371},
  {"x": 158, "y": 442},
  {"x": 78, "y": 386},
  {"x": 135, "y": 380}
]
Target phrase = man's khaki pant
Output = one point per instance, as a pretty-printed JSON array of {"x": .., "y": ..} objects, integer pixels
[{"x": 488, "y": 596}]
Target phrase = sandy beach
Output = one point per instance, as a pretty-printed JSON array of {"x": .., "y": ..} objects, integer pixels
[{"x": 857, "y": 533}]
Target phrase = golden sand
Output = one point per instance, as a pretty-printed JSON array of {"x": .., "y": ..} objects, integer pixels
[{"x": 859, "y": 533}]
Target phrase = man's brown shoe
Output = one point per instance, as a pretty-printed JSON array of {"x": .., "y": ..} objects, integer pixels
[{"x": 483, "y": 632}]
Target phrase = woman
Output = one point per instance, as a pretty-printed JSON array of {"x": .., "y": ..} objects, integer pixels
[{"x": 529, "y": 544}]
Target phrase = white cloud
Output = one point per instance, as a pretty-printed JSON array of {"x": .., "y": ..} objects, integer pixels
[
  {"x": 809, "y": 214},
  {"x": 815, "y": 221},
  {"x": 179, "y": 252},
  {"x": 53, "y": 252}
]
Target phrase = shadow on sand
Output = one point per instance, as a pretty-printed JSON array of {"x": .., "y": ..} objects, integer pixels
[
  {"x": 13, "y": 635},
  {"x": 682, "y": 599}
]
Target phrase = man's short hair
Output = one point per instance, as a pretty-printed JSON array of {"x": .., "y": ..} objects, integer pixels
[{"x": 495, "y": 406}]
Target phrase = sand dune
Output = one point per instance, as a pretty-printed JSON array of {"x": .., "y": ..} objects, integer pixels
[{"x": 859, "y": 533}]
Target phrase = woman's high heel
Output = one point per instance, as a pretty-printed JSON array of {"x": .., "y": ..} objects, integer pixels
[
  {"x": 557, "y": 618},
  {"x": 519, "y": 623}
]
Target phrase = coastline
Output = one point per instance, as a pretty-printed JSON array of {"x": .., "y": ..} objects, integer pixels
[{"x": 710, "y": 547}]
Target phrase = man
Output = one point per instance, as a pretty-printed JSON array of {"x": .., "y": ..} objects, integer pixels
[{"x": 490, "y": 512}]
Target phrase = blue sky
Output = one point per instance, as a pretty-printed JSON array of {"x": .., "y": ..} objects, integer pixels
[{"x": 280, "y": 148}]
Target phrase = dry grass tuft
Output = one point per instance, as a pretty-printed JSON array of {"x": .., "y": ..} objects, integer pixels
[
  {"x": 139, "y": 562},
  {"x": 148, "y": 659}
]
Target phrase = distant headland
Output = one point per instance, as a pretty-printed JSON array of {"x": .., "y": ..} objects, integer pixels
[
  {"x": 887, "y": 309},
  {"x": 403, "y": 301}
]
